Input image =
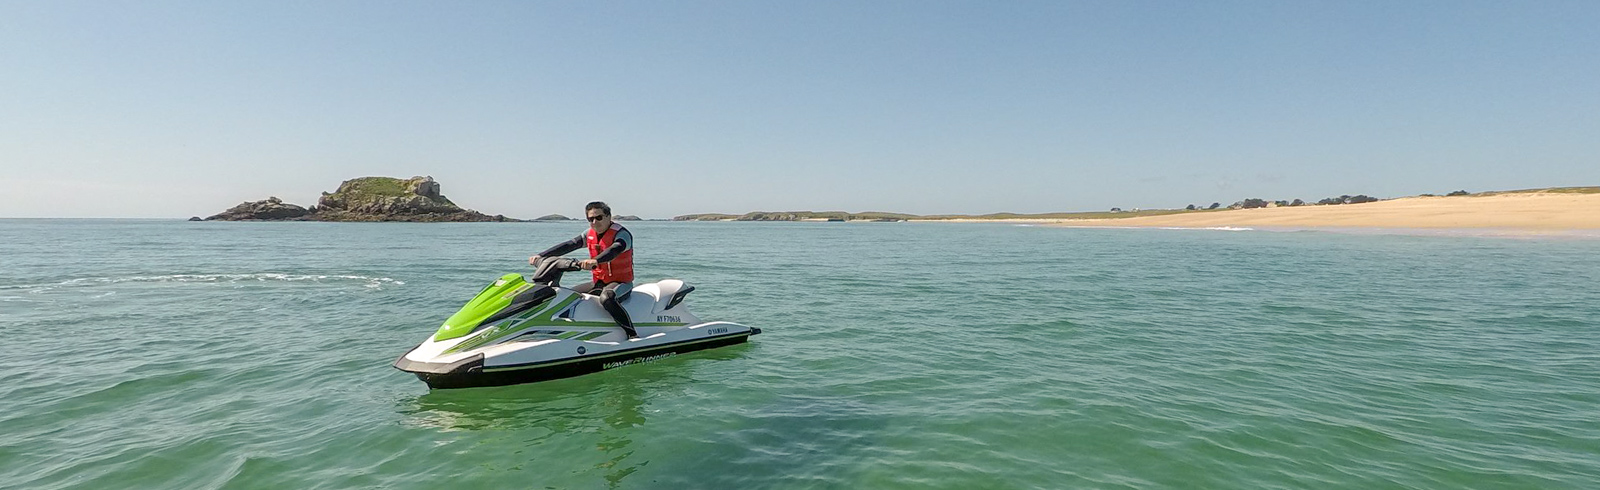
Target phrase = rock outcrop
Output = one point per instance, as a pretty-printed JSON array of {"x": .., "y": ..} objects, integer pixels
[
  {"x": 366, "y": 199},
  {"x": 270, "y": 209}
]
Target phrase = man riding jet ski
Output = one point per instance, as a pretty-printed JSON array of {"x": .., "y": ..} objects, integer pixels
[
  {"x": 610, "y": 257},
  {"x": 520, "y": 331}
]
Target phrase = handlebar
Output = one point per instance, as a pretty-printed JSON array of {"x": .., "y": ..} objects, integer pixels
[
  {"x": 566, "y": 265},
  {"x": 549, "y": 270}
]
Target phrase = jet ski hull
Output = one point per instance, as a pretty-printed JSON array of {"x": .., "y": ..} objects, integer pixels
[
  {"x": 516, "y": 332},
  {"x": 472, "y": 372}
]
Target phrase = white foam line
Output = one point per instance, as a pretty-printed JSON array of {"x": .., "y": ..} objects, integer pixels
[{"x": 372, "y": 282}]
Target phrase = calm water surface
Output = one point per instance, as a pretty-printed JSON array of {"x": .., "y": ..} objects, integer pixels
[{"x": 169, "y": 354}]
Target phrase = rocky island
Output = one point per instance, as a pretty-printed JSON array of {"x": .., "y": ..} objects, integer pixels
[{"x": 364, "y": 199}]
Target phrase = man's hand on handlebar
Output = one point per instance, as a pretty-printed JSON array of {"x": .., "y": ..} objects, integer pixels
[
  {"x": 534, "y": 260},
  {"x": 588, "y": 264}
]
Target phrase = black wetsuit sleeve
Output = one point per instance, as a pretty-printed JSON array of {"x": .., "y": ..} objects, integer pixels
[
  {"x": 563, "y": 248},
  {"x": 622, "y": 243}
]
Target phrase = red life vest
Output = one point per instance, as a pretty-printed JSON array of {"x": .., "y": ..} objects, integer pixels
[{"x": 619, "y": 269}]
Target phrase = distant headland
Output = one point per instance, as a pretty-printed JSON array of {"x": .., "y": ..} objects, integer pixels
[
  {"x": 1113, "y": 213},
  {"x": 364, "y": 199}
]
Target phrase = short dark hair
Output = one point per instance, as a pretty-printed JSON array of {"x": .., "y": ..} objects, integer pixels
[{"x": 598, "y": 205}]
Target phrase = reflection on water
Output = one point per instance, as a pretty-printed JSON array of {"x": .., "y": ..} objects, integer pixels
[
  {"x": 612, "y": 398},
  {"x": 605, "y": 408}
]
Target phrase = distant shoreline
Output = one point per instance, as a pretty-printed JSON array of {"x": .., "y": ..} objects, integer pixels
[
  {"x": 1559, "y": 208},
  {"x": 1550, "y": 209},
  {"x": 1522, "y": 211}
]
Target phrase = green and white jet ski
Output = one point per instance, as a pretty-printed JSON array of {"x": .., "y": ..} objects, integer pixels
[{"x": 516, "y": 331}]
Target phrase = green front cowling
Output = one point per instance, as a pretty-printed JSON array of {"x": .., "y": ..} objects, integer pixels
[{"x": 490, "y": 300}]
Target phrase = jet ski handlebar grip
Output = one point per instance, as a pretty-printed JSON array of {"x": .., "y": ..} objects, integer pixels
[{"x": 568, "y": 265}]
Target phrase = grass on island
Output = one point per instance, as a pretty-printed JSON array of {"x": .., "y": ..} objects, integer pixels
[
  {"x": 367, "y": 188},
  {"x": 376, "y": 186}
]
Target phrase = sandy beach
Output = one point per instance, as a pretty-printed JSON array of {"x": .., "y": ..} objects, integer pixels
[{"x": 1526, "y": 211}]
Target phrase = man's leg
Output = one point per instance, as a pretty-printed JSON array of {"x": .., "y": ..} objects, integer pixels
[{"x": 611, "y": 297}]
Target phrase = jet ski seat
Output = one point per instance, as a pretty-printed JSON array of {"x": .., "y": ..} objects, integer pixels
[{"x": 648, "y": 300}]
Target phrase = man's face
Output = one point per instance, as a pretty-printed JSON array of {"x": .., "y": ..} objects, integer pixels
[{"x": 599, "y": 220}]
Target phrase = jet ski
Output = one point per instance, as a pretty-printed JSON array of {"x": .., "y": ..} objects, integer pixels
[{"x": 520, "y": 331}]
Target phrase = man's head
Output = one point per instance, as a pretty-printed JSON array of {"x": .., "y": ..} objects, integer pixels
[{"x": 599, "y": 215}]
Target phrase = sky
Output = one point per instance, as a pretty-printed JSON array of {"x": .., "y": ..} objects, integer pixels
[{"x": 157, "y": 109}]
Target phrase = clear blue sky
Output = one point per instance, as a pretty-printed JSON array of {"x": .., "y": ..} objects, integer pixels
[{"x": 173, "y": 109}]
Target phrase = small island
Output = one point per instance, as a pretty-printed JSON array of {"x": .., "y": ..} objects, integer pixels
[{"x": 417, "y": 199}]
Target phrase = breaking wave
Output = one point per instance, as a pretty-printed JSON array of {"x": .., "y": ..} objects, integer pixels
[{"x": 371, "y": 282}]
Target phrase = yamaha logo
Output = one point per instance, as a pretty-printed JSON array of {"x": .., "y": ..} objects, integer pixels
[{"x": 582, "y": 350}]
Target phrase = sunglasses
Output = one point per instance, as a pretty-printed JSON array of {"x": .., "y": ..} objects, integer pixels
[{"x": 593, "y": 219}]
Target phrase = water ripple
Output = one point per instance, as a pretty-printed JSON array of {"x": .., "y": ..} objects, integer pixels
[{"x": 178, "y": 355}]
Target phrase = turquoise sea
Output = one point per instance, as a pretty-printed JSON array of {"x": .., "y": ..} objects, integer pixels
[{"x": 170, "y": 354}]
